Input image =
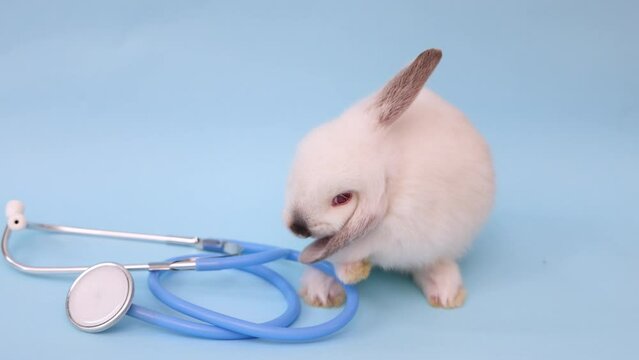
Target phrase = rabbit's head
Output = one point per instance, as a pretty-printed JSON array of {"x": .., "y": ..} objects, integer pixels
[{"x": 337, "y": 187}]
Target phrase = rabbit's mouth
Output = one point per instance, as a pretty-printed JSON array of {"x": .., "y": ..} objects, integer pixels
[
  {"x": 326, "y": 246},
  {"x": 321, "y": 230}
]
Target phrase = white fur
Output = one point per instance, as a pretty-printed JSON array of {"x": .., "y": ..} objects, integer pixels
[
  {"x": 428, "y": 177},
  {"x": 319, "y": 289}
]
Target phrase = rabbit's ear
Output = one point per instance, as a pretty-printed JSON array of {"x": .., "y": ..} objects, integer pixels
[
  {"x": 402, "y": 90},
  {"x": 361, "y": 222}
]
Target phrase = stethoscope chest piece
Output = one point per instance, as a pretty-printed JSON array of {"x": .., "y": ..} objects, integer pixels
[{"x": 100, "y": 297}]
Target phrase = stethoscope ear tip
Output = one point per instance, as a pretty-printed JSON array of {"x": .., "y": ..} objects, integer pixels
[
  {"x": 14, "y": 210},
  {"x": 16, "y": 222},
  {"x": 14, "y": 207}
]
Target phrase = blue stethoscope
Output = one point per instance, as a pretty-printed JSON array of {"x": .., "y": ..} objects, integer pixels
[{"x": 103, "y": 293}]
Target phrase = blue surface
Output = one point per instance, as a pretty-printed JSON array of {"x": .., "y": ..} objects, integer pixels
[{"x": 182, "y": 117}]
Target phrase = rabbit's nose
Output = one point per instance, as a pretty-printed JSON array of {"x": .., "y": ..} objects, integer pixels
[{"x": 299, "y": 228}]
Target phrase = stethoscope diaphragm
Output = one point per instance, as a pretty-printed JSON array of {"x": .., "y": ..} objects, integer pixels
[{"x": 100, "y": 297}]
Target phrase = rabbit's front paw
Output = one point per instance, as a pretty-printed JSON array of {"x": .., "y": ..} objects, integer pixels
[
  {"x": 442, "y": 284},
  {"x": 447, "y": 300},
  {"x": 351, "y": 273},
  {"x": 321, "y": 290}
]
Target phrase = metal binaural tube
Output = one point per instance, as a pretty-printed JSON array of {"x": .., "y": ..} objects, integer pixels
[
  {"x": 179, "y": 240},
  {"x": 187, "y": 264}
]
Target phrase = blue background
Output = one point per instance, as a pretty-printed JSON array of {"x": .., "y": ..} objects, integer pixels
[{"x": 182, "y": 118}]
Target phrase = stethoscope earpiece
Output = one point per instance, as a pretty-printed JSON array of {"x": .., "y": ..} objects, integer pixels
[
  {"x": 14, "y": 211},
  {"x": 17, "y": 222},
  {"x": 13, "y": 207}
]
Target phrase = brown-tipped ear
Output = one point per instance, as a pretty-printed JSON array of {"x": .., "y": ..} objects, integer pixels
[
  {"x": 357, "y": 226},
  {"x": 402, "y": 90}
]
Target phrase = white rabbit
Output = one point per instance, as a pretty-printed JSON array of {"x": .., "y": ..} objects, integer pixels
[{"x": 401, "y": 180}]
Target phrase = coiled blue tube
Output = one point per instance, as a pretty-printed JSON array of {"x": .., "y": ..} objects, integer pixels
[
  {"x": 209, "y": 331},
  {"x": 214, "y": 325}
]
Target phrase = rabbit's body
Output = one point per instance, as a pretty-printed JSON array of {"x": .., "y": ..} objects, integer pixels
[
  {"x": 400, "y": 180},
  {"x": 440, "y": 188}
]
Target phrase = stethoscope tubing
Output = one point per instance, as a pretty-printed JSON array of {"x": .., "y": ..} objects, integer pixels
[
  {"x": 208, "y": 330},
  {"x": 233, "y": 328}
]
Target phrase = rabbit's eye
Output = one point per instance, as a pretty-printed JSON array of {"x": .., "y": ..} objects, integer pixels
[{"x": 342, "y": 199}]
